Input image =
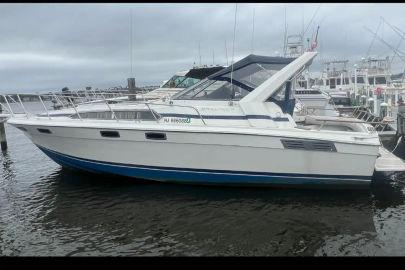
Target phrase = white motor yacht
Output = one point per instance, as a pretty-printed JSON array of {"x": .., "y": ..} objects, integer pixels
[
  {"x": 180, "y": 81},
  {"x": 233, "y": 128}
]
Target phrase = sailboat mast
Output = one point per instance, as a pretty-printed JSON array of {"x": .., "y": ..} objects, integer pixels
[{"x": 253, "y": 31}]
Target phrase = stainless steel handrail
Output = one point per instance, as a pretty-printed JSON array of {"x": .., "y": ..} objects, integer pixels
[
  {"x": 43, "y": 104},
  {"x": 147, "y": 105},
  {"x": 69, "y": 99},
  {"x": 22, "y": 105},
  {"x": 184, "y": 106},
  {"x": 8, "y": 104},
  {"x": 112, "y": 112}
]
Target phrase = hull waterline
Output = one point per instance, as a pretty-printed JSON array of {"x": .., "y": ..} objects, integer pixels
[{"x": 206, "y": 177}]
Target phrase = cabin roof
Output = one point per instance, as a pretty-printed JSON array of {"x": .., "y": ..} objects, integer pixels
[
  {"x": 203, "y": 72},
  {"x": 251, "y": 59}
]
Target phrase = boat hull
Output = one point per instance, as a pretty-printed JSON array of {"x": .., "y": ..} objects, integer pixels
[
  {"x": 205, "y": 158},
  {"x": 205, "y": 177}
]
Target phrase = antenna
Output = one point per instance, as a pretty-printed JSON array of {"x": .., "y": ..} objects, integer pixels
[
  {"x": 213, "y": 57},
  {"x": 285, "y": 30},
  {"x": 131, "y": 53},
  {"x": 399, "y": 30},
  {"x": 199, "y": 52},
  {"x": 313, "y": 16},
  {"x": 253, "y": 31},
  {"x": 396, "y": 31},
  {"x": 372, "y": 41},
  {"x": 302, "y": 31},
  {"x": 226, "y": 54},
  {"x": 233, "y": 51},
  {"x": 399, "y": 53}
]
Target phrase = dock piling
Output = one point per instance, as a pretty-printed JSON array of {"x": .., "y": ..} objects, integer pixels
[{"x": 3, "y": 139}]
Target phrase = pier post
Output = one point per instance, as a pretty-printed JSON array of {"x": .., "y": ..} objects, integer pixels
[
  {"x": 3, "y": 139},
  {"x": 131, "y": 89}
]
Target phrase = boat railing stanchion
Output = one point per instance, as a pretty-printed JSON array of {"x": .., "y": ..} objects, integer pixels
[
  {"x": 198, "y": 112},
  {"x": 147, "y": 105},
  {"x": 43, "y": 104},
  {"x": 4, "y": 107},
  {"x": 182, "y": 106},
  {"x": 109, "y": 107},
  {"x": 12, "y": 99},
  {"x": 77, "y": 94},
  {"x": 62, "y": 97},
  {"x": 8, "y": 104},
  {"x": 74, "y": 107},
  {"x": 57, "y": 99},
  {"x": 22, "y": 105}
]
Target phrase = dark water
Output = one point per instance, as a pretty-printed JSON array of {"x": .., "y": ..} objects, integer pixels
[{"x": 49, "y": 211}]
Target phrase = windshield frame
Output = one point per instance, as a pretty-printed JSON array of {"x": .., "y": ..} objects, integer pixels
[{"x": 251, "y": 66}]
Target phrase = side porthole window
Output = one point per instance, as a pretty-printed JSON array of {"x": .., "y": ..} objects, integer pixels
[
  {"x": 109, "y": 134},
  {"x": 155, "y": 136},
  {"x": 44, "y": 130}
]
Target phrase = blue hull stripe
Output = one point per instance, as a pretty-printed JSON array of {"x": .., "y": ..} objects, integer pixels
[{"x": 202, "y": 176}]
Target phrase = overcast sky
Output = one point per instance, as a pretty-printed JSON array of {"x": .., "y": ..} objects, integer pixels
[{"x": 45, "y": 47}]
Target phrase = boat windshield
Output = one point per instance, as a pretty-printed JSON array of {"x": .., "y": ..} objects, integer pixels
[
  {"x": 180, "y": 82},
  {"x": 226, "y": 84}
]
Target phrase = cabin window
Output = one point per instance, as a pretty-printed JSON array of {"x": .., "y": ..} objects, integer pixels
[
  {"x": 110, "y": 133},
  {"x": 302, "y": 84},
  {"x": 380, "y": 80},
  {"x": 144, "y": 115},
  {"x": 346, "y": 81},
  {"x": 327, "y": 82},
  {"x": 44, "y": 130},
  {"x": 332, "y": 83},
  {"x": 174, "y": 81},
  {"x": 255, "y": 73},
  {"x": 191, "y": 92},
  {"x": 340, "y": 101},
  {"x": 155, "y": 136},
  {"x": 371, "y": 80},
  {"x": 188, "y": 82},
  {"x": 245, "y": 78},
  {"x": 216, "y": 90},
  {"x": 219, "y": 87},
  {"x": 338, "y": 82},
  {"x": 360, "y": 79},
  {"x": 279, "y": 95}
]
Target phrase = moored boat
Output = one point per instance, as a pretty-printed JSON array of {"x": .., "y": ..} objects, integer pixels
[{"x": 233, "y": 128}]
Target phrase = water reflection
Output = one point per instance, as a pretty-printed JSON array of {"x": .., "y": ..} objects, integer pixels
[
  {"x": 388, "y": 191},
  {"x": 6, "y": 162},
  {"x": 95, "y": 215}
]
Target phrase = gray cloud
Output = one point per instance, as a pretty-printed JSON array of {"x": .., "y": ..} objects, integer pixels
[{"x": 48, "y": 46}]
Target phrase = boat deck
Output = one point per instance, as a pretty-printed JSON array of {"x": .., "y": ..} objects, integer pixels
[{"x": 388, "y": 162}]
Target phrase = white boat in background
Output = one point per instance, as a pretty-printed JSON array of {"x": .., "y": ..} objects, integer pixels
[
  {"x": 234, "y": 128},
  {"x": 180, "y": 81},
  {"x": 313, "y": 102}
]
